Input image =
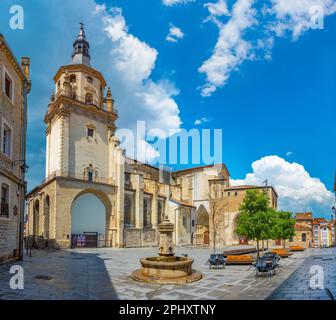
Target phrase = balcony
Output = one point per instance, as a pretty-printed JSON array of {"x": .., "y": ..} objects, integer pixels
[
  {"x": 78, "y": 176},
  {"x": 87, "y": 100}
]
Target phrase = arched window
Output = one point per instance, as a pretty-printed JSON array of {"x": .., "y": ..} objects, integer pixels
[
  {"x": 4, "y": 201},
  {"x": 89, "y": 80},
  {"x": 303, "y": 237},
  {"x": 129, "y": 213},
  {"x": 73, "y": 78},
  {"x": 46, "y": 216},
  {"x": 36, "y": 218},
  {"x": 88, "y": 98},
  {"x": 90, "y": 173}
]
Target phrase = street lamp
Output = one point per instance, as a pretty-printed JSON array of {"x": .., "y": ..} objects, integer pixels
[{"x": 22, "y": 163}]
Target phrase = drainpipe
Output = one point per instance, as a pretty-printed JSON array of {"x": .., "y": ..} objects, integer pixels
[{"x": 26, "y": 90}]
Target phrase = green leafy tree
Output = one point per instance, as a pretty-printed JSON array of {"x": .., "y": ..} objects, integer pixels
[
  {"x": 284, "y": 227},
  {"x": 254, "y": 219}
]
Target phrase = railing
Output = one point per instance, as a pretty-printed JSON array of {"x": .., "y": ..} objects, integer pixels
[
  {"x": 78, "y": 176},
  {"x": 100, "y": 104},
  {"x": 92, "y": 240},
  {"x": 4, "y": 210}
]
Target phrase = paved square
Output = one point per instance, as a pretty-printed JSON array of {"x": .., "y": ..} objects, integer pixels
[{"x": 105, "y": 274}]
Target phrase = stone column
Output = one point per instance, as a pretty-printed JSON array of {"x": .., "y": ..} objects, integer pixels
[
  {"x": 48, "y": 133},
  {"x": 64, "y": 145},
  {"x": 120, "y": 181},
  {"x": 166, "y": 246}
]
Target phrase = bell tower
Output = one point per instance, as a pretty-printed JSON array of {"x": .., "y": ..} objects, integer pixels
[
  {"x": 81, "y": 121},
  {"x": 83, "y": 156}
]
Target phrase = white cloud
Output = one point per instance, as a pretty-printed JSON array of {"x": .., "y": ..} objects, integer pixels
[
  {"x": 200, "y": 121},
  {"x": 218, "y": 8},
  {"x": 174, "y": 34},
  {"x": 170, "y": 3},
  {"x": 277, "y": 18},
  {"x": 297, "y": 190},
  {"x": 138, "y": 97},
  {"x": 231, "y": 49},
  {"x": 288, "y": 153},
  {"x": 296, "y": 17}
]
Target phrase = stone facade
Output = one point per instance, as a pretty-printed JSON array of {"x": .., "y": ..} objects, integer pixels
[
  {"x": 14, "y": 87},
  {"x": 83, "y": 156},
  {"x": 313, "y": 232}
]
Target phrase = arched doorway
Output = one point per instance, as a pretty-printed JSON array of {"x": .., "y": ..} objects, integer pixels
[
  {"x": 303, "y": 237},
  {"x": 46, "y": 213},
  {"x": 88, "y": 221},
  {"x": 36, "y": 218},
  {"x": 202, "y": 226}
]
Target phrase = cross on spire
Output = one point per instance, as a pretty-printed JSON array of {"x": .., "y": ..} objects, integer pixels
[{"x": 80, "y": 54}]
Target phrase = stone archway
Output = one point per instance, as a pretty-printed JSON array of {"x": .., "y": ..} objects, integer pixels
[
  {"x": 36, "y": 218},
  {"x": 303, "y": 237},
  {"x": 90, "y": 219},
  {"x": 202, "y": 226}
]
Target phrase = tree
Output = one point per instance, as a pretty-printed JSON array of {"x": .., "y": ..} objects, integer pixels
[
  {"x": 217, "y": 205},
  {"x": 254, "y": 219},
  {"x": 284, "y": 227}
]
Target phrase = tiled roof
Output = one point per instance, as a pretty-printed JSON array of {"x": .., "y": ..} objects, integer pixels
[
  {"x": 304, "y": 216},
  {"x": 182, "y": 203},
  {"x": 302, "y": 227}
]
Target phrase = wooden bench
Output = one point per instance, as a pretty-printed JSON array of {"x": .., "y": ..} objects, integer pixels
[
  {"x": 282, "y": 253},
  {"x": 297, "y": 248},
  {"x": 242, "y": 259}
]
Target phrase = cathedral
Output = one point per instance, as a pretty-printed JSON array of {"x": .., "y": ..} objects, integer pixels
[{"x": 83, "y": 156}]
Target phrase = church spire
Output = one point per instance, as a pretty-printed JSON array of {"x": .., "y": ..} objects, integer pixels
[{"x": 81, "y": 46}]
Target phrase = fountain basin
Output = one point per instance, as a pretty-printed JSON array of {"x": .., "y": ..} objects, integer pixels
[{"x": 166, "y": 270}]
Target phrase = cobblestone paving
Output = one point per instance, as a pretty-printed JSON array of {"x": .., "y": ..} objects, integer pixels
[
  {"x": 105, "y": 274},
  {"x": 297, "y": 287}
]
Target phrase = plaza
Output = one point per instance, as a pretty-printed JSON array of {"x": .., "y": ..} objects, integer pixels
[{"x": 104, "y": 274}]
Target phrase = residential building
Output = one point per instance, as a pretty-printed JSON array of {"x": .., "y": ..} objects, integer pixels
[{"x": 14, "y": 89}]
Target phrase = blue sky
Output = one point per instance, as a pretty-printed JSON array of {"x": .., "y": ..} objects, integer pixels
[{"x": 276, "y": 107}]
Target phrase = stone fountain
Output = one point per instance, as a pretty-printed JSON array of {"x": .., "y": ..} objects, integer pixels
[{"x": 166, "y": 268}]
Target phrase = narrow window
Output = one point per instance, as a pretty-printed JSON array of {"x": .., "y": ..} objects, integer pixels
[
  {"x": 88, "y": 98},
  {"x": 90, "y": 176},
  {"x": 8, "y": 86},
  {"x": 6, "y": 141},
  {"x": 4, "y": 201},
  {"x": 89, "y": 80},
  {"x": 90, "y": 132},
  {"x": 73, "y": 78}
]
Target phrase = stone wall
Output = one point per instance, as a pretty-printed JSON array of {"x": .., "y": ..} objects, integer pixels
[
  {"x": 134, "y": 237},
  {"x": 11, "y": 116}
]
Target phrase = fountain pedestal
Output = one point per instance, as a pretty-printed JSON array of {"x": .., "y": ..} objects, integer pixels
[{"x": 166, "y": 268}]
